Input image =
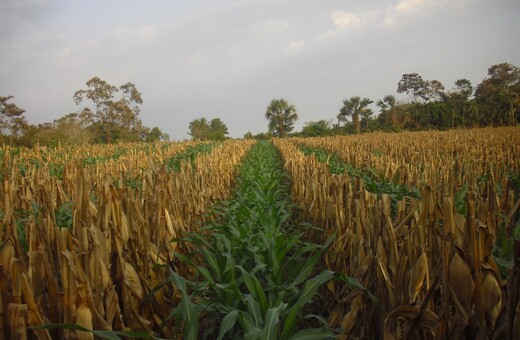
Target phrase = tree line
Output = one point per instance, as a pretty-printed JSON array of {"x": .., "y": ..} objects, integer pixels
[
  {"x": 493, "y": 102},
  {"x": 111, "y": 115},
  {"x": 112, "y": 112}
]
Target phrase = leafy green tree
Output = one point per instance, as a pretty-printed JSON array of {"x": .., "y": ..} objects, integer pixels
[
  {"x": 74, "y": 129},
  {"x": 218, "y": 130},
  {"x": 114, "y": 118},
  {"x": 281, "y": 116},
  {"x": 498, "y": 95},
  {"x": 414, "y": 86},
  {"x": 317, "y": 129},
  {"x": 459, "y": 99},
  {"x": 202, "y": 129},
  {"x": 355, "y": 107},
  {"x": 155, "y": 135},
  {"x": 199, "y": 128},
  {"x": 420, "y": 92},
  {"x": 13, "y": 123}
]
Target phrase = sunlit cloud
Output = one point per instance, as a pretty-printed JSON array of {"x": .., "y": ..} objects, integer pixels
[{"x": 344, "y": 20}]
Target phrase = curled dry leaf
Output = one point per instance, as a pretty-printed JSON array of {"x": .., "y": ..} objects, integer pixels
[
  {"x": 409, "y": 318},
  {"x": 491, "y": 298},
  {"x": 84, "y": 319},
  {"x": 132, "y": 281},
  {"x": 417, "y": 276},
  {"x": 461, "y": 285}
]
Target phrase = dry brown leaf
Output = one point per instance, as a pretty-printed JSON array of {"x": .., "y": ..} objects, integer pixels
[
  {"x": 417, "y": 276},
  {"x": 461, "y": 285},
  {"x": 491, "y": 298},
  {"x": 84, "y": 319}
]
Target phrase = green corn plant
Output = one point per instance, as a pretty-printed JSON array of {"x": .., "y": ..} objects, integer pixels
[{"x": 258, "y": 272}]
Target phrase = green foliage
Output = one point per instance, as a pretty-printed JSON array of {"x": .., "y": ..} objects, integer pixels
[
  {"x": 258, "y": 270},
  {"x": 317, "y": 129},
  {"x": 22, "y": 217},
  {"x": 188, "y": 155},
  {"x": 356, "y": 108},
  {"x": 13, "y": 123},
  {"x": 201, "y": 129},
  {"x": 504, "y": 246},
  {"x": 281, "y": 116},
  {"x": 109, "y": 335},
  {"x": 114, "y": 118},
  {"x": 64, "y": 215},
  {"x": 374, "y": 182}
]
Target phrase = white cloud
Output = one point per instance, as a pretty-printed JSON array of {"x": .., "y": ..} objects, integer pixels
[
  {"x": 344, "y": 20},
  {"x": 294, "y": 46},
  {"x": 406, "y": 10}
]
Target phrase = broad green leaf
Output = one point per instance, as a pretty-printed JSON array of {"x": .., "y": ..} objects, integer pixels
[
  {"x": 186, "y": 307},
  {"x": 254, "y": 287},
  {"x": 272, "y": 318},
  {"x": 253, "y": 307},
  {"x": 227, "y": 323},
  {"x": 211, "y": 260},
  {"x": 306, "y": 270},
  {"x": 310, "y": 288},
  {"x": 204, "y": 272}
]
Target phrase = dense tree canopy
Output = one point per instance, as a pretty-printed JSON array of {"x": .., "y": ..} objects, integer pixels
[
  {"x": 13, "y": 124},
  {"x": 317, "y": 129},
  {"x": 202, "y": 129},
  {"x": 281, "y": 116},
  {"x": 498, "y": 96},
  {"x": 116, "y": 110}
]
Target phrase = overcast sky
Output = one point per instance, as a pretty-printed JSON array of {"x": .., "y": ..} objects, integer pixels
[{"x": 229, "y": 58}]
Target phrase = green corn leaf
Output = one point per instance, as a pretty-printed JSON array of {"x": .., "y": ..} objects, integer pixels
[
  {"x": 212, "y": 262},
  {"x": 206, "y": 275},
  {"x": 313, "y": 334},
  {"x": 310, "y": 288},
  {"x": 186, "y": 307},
  {"x": 253, "y": 307},
  {"x": 254, "y": 287},
  {"x": 306, "y": 269},
  {"x": 272, "y": 318},
  {"x": 110, "y": 335},
  {"x": 227, "y": 323}
]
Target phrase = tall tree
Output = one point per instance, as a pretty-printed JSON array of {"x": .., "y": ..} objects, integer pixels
[
  {"x": 420, "y": 91},
  {"x": 459, "y": 101},
  {"x": 13, "y": 123},
  {"x": 218, "y": 129},
  {"x": 499, "y": 95},
  {"x": 414, "y": 86},
  {"x": 113, "y": 118},
  {"x": 388, "y": 112},
  {"x": 356, "y": 108},
  {"x": 199, "y": 128},
  {"x": 281, "y": 116},
  {"x": 213, "y": 130}
]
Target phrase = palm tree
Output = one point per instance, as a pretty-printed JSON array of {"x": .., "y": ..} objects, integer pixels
[
  {"x": 355, "y": 107},
  {"x": 199, "y": 128},
  {"x": 281, "y": 117},
  {"x": 387, "y": 105}
]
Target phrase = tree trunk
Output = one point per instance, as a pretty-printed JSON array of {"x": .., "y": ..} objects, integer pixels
[{"x": 357, "y": 124}]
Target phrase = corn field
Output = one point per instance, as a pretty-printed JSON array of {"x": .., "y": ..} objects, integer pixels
[
  {"x": 415, "y": 236},
  {"x": 79, "y": 243}
]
